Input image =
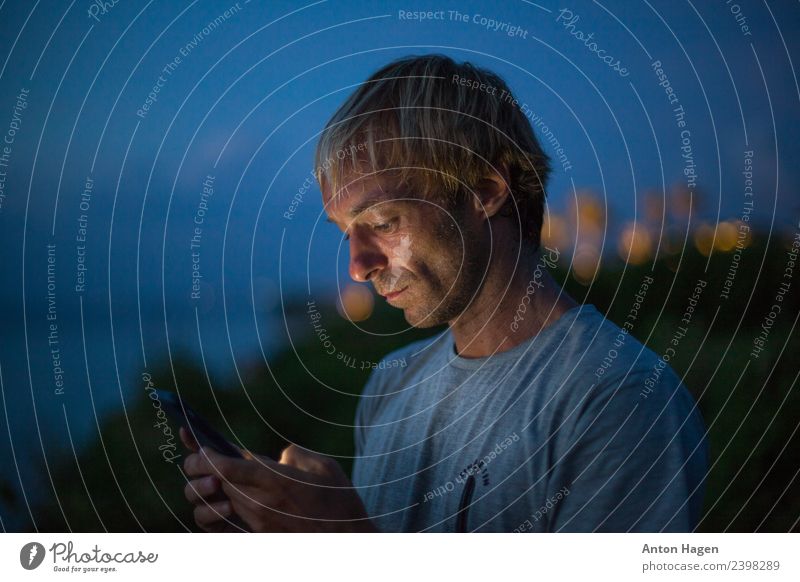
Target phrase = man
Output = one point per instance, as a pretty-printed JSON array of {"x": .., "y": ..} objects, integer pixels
[{"x": 504, "y": 422}]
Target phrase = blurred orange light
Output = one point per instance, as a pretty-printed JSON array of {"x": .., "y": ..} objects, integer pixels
[
  {"x": 704, "y": 239},
  {"x": 585, "y": 264},
  {"x": 726, "y": 236},
  {"x": 635, "y": 243},
  {"x": 745, "y": 233},
  {"x": 682, "y": 202},
  {"x": 587, "y": 216},
  {"x": 654, "y": 207},
  {"x": 554, "y": 232},
  {"x": 590, "y": 210},
  {"x": 356, "y": 302}
]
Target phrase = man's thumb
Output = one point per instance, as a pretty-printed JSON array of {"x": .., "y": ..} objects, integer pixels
[{"x": 307, "y": 460}]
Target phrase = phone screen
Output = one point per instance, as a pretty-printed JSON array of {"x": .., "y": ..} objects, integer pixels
[{"x": 203, "y": 432}]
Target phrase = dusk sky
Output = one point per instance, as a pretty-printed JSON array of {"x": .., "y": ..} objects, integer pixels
[
  {"x": 127, "y": 123},
  {"x": 249, "y": 90}
]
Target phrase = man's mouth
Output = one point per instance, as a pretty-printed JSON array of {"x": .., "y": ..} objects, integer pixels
[{"x": 390, "y": 296}]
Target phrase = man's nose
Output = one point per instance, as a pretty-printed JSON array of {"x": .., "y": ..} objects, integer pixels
[{"x": 366, "y": 257}]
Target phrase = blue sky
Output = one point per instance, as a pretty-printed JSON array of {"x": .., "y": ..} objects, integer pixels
[
  {"x": 249, "y": 97},
  {"x": 244, "y": 102}
]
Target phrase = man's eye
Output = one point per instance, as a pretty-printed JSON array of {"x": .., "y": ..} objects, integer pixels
[{"x": 385, "y": 227}]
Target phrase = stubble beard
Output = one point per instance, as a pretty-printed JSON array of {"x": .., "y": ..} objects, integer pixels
[{"x": 459, "y": 274}]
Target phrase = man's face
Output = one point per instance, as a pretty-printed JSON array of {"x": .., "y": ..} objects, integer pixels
[{"x": 425, "y": 259}]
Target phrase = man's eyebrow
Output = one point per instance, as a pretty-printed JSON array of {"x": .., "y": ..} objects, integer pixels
[{"x": 369, "y": 202}]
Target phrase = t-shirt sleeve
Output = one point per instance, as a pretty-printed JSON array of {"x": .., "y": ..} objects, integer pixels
[{"x": 634, "y": 459}]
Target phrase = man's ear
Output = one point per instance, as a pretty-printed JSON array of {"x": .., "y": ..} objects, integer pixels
[{"x": 492, "y": 191}]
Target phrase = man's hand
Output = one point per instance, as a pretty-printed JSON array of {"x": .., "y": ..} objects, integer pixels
[{"x": 303, "y": 492}]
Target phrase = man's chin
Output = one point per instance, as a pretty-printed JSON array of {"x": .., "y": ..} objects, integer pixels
[{"x": 421, "y": 320}]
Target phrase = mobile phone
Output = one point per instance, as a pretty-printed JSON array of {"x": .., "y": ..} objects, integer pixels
[{"x": 205, "y": 435}]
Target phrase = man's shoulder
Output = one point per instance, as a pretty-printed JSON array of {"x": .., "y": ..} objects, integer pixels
[
  {"x": 624, "y": 374},
  {"x": 597, "y": 360},
  {"x": 612, "y": 351}
]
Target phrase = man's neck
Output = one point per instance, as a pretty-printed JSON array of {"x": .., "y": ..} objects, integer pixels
[{"x": 529, "y": 303}]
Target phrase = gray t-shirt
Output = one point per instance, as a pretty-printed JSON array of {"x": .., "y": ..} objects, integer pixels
[{"x": 580, "y": 428}]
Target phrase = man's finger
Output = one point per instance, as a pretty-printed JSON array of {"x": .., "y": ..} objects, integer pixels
[
  {"x": 198, "y": 490},
  {"x": 195, "y": 465},
  {"x": 213, "y": 516},
  {"x": 261, "y": 472},
  {"x": 307, "y": 460},
  {"x": 188, "y": 440},
  {"x": 252, "y": 499},
  {"x": 209, "y": 462},
  {"x": 262, "y": 511}
]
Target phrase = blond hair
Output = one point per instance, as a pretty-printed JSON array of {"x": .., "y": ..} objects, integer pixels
[{"x": 438, "y": 127}]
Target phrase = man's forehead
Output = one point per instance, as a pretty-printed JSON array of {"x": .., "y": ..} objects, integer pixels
[
  {"x": 350, "y": 190},
  {"x": 357, "y": 196}
]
